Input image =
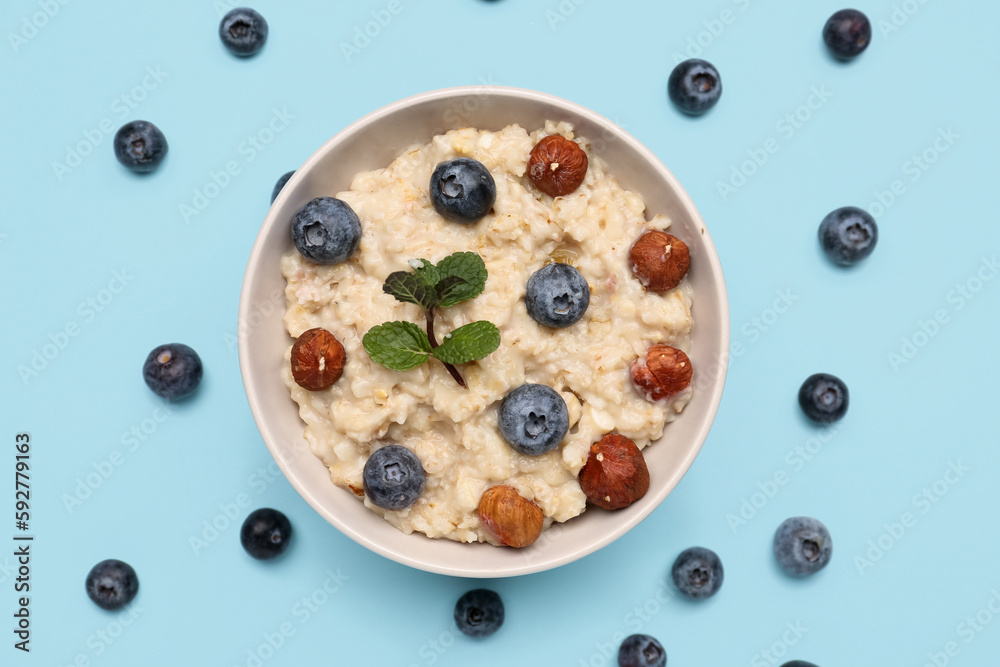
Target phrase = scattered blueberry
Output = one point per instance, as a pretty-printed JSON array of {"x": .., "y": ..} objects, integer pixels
[
  {"x": 798, "y": 663},
  {"x": 557, "y": 295},
  {"x": 463, "y": 190},
  {"x": 112, "y": 584},
  {"x": 265, "y": 533},
  {"x": 326, "y": 230},
  {"x": 479, "y": 613},
  {"x": 641, "y": 651},
  {"x": 824, "y": 398},
  {"x": 533, "y": 419},
  {"x": 802, "y": 546},
  {"x": 697, "y": 573},
  {"x": 280, "y": 184},
  {"x": 848, "y": 235},
  {"x": 172, "y": 371},
  {"x": 393, "y": 477},
  {"x": 847, "y": 33},
  {"x": 694, "y": 86},
  {"x": 140, "y": 146},
  {"x": 243, "y": 31}
]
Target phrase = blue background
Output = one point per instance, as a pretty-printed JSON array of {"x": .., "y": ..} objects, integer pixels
[{"x": 929, "y": 73}]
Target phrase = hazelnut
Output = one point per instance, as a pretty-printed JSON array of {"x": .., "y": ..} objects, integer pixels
[
  {"x": 659, "y": 260},
  {"x": 510, "y": 518},
  {"x": 317, "y": 359},
  {"x": 615, "y": 475},
  {"x": 557, "y": 165},
  {"x": 664, "y": 371}
]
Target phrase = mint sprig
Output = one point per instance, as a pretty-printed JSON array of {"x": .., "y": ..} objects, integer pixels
[
  {"x": 401, "y": 346},
  {"x": 397, "y": 345},
  {"x": 468, "y": 343}
]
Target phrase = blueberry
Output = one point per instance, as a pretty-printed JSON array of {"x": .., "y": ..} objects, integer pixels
[
  {"x": 557, "y": 295},
  {"x": 265, "y": 533},
  {"x": 697, "y": 573},
  {"x": 802, "y": 546},
  {"x": 140, "y": 146},
  {"x": 641, "y": 651},
  {"x": 393, "y": 477},
  {"x": 326, "y": 230},
  {"x": 694, "y": 86},
  {"x": 172, "y": 371},
  {"x": 463, "y": 190},
  {"x": 847, "y": 33},
  {"x": 112, "y": 584},
  {"x": 824, "y": 398},
  {"x": 533, "y": 419},
  {"x": 243, "y": 31},
  {"x": 798, "y": 663},
  {"x": 479, "y": 613},
  {"x": 848, "y": 235},
  {"x": 280, "y": 184}
]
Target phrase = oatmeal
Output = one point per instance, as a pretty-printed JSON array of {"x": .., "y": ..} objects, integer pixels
[{"x": 454, "y": 430}]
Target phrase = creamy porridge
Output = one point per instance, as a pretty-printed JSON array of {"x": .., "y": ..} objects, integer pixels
[{"x": 453, "y": 430}]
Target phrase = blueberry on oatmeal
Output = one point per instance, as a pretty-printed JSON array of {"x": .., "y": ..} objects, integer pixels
[
  {"x": 393, "y": 477},
  {"x": 557, "y": 295},
  {"x": 533, "y": 419},
  {"x": 326, "y": 230},
  {"x": 462, "y": 190}
]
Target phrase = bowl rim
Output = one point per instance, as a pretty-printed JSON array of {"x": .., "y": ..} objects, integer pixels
[{"x": 714, "y": 390}]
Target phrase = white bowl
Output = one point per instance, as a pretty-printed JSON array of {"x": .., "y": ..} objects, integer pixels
[{"x": 372, "y": 143}]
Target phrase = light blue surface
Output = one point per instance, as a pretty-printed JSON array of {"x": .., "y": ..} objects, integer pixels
[{"x": 64, "y": 236}]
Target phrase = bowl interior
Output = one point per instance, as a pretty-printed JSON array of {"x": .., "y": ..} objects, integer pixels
[{"x": 373, "y": 142}]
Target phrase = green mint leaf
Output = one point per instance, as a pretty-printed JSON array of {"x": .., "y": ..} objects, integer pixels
[
  {"x": 428, "y": 273},
  {"x": 449, "y": 287},
  {"x": 466, "y": 265},
  {"x": 468, "y": 343},
  {"x": 409, "y": 288},
  {"x": 398, "y": 346}
]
